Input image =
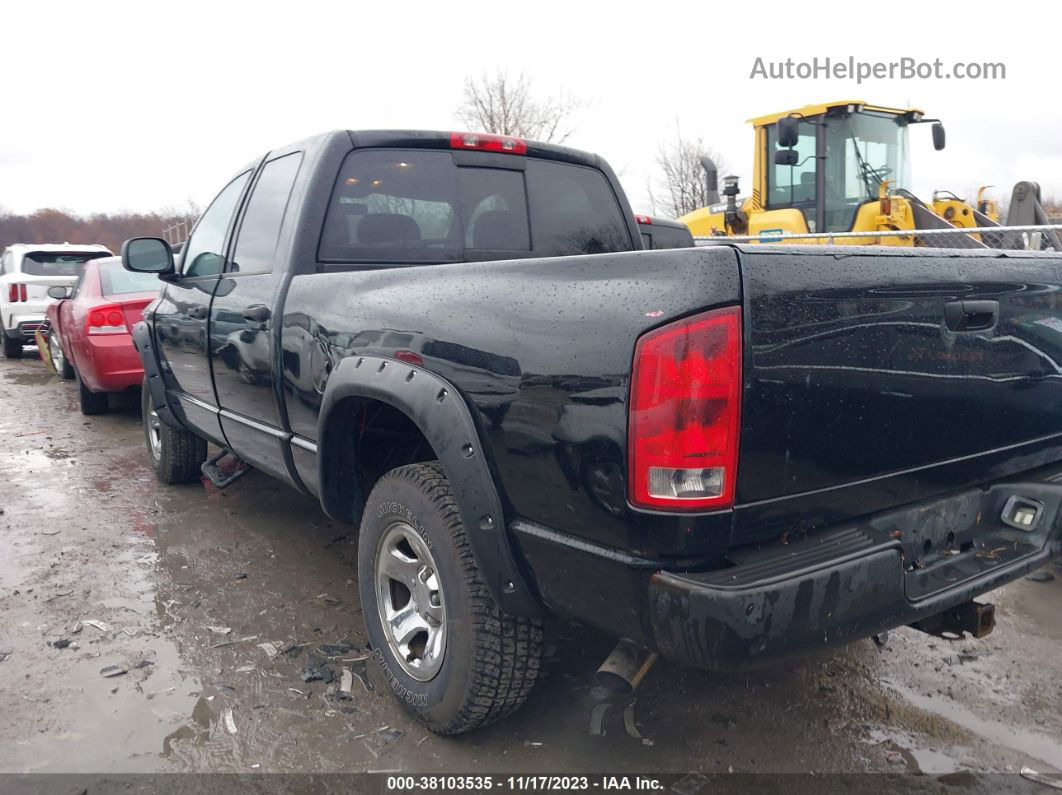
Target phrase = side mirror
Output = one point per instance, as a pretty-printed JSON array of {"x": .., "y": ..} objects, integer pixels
[
  {"x": 147, "y": 255},
  {"x": 938, "y": 136},
  {"x": 58, "y": 292},
  {"x": 788, "y": 132},
  {"x": 786, "y": 157}
]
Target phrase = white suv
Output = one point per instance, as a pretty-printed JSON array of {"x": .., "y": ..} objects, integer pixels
[{"x": 26, "y": 272}]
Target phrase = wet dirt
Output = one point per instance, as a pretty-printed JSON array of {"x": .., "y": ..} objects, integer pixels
[{"x": 87, "y": 534}]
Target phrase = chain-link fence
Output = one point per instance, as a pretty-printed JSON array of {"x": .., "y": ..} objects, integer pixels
[{"x": 1023, "y": 238}]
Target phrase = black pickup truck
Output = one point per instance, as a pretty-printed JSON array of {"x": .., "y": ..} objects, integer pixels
[{"x": 722, "y": 454}]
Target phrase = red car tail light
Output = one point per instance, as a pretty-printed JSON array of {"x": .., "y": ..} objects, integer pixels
[
  {"x": 107, "y": 320},
  {"x": 16, "y": 293},
  {"x": 22, "y": 292},
  {"x": 684, "y": 414},
  {"x": 484, "y": 142}
]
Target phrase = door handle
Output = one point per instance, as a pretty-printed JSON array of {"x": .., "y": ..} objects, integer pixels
[
  {"x": 971, "y": 315},
  {"x": 256, "y": 313},
  {"x": 197, "y": 312}
]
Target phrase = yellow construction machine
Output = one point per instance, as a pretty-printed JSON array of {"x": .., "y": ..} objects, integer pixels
[{"x": 845, "y": 167}]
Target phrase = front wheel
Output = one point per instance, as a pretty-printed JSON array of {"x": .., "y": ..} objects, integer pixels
[
  {"x": 449, "y": 653},
  {"x": 176, "y": 455}
]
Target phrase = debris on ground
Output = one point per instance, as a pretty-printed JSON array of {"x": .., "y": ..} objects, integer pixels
[
  {"x": 1054, "y": 781},
  {"x": 628, "y": 721},
  {"x": 245, "y": 639},
  {"x": 111, "y": 671},
  {"x": 597, "y": 719},
  {"x": 270, "y": 648},
  {"x": 6, "y": 651},
  {"x": 96, "y": 624},
  {"x": 241, "y": 576},
  {"x": 59, "y": 643},
  {"x": 317, "y": 670},
  {"x": 346, "y": 681},
  {"x": 335, "y": 649},
  {"x": 228, "y": 722},
  {"x": 220, "y": 630}
]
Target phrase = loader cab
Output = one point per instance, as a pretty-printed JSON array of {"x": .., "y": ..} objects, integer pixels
[{"x": 828, "y": 161}]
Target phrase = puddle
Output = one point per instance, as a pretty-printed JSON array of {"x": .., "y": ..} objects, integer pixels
[{"x": 1034, "y": 744}]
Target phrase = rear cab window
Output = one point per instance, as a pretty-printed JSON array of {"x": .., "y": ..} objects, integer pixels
[
  {"x": 58, "y": 263},
  {"x": 422, "y": 206}
]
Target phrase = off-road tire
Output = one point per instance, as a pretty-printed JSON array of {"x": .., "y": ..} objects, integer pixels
[
  {"x": 12, "y": 346},
  {"x": 181, "y": 454},
  {"x": 91, "y": 402},
  {"x": 491, "y": 659}
]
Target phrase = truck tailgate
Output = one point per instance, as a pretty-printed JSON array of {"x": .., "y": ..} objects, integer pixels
[{"x": 880, "y": 377}]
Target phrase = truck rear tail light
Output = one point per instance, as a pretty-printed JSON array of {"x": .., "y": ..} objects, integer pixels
[
  {"x": 684, "y": 414},
  {"x": 107, "y": 320},
  {"x": 645, "y": 220},
  {"x": 22, "y": 292},
  {"x": 488, "y": 143},
  {"x": 409, "y": 357},
  {"x": 16, "y": 293}
]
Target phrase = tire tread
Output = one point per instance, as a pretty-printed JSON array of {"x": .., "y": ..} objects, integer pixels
[{"x": 507, "y": 649}]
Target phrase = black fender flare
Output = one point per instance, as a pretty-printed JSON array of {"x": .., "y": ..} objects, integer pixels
[
  {"x": 437, "y": 408},
  {"x": 145, "y": 346}
]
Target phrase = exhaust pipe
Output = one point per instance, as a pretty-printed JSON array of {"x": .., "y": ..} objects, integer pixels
[
  {"x": 623, "y": 670},
  {"x": 973, "y": 617}
]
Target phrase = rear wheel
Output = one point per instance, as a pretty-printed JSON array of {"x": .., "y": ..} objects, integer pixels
[
  {"x": 12, "y": 347},
  {"x": 59, "y": 361},
  {"x": 176, "y": 455},
  {"x": 449, "y": 653},
  {"x": 91, "y": 402}
]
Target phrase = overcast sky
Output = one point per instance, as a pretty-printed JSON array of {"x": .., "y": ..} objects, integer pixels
[{"x": 111, "y": 106}]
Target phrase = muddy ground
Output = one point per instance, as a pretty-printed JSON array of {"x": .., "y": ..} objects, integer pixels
[{"x": 187, "y": 581}]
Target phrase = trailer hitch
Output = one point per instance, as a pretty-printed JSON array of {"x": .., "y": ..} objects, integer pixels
[{"x": 973, "y": 617}]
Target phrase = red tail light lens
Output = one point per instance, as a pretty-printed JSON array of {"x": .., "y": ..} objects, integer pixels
[
  {"x": 685, "y": 413},
  {"x": 488, "y": 143},
  {"x": 12, "y": 293},
  {"x": 107, "y": 320},
  {"x": 22, "y": 292},
  {"x": 645, "y": 220},
  {"x": 409, "y": 357}
]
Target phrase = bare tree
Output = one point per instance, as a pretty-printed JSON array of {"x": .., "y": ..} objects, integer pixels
[
  {"x": 505, "y": 105},
  {"x": 682, "y": 180}
]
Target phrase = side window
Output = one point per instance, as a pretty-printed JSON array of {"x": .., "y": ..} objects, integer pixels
[
  {"x": 792, "y": 186},
  {"x": 204, "y": 253},
  {"x": 77, "y": 285},
  {"x": 260, "y": 228},
  {"x": 573, "y": 211},
  {"x": 5, "y": 263}
]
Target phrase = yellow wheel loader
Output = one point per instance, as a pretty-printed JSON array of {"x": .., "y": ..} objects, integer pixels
[{"x": 845, "y": 167}]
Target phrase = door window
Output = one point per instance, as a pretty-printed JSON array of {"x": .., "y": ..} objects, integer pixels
[
  {"x": 260, "y": 228},
  {"x": 204, "y": 253},
  {"x": 792, "y": 186}
]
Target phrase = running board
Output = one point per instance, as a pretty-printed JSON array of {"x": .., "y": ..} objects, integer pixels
[{"x": 219, "y": 478}]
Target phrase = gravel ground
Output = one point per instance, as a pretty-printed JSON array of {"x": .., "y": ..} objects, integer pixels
[{"x": 184, "y": 583}]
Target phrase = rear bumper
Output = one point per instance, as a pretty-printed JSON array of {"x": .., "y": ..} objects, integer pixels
[
  {"x": 777, "y": 600},
  {"x": 850, "y": 583},
  {"x": 23, "y": 326},
  {"x": 113, "y": 366}
]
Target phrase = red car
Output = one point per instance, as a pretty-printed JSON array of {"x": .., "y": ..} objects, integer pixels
[{"x": 88, "y": 333}]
